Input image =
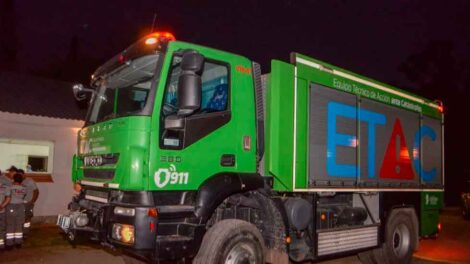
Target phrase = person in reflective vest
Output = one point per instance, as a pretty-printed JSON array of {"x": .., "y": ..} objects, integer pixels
[
  {"x": 4, "y": 201},
  {"x": 32, "y": 194},
  {"x": 15, "y": 212}
]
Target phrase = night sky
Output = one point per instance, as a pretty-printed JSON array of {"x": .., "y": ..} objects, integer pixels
[{"x": 421, "y": 46}]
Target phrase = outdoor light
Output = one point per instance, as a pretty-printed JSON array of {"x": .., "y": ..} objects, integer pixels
[
  {"x": 152, "y": 212},
  {"x": 440, "y": 105},
  {"x": 77, "y": 187},
  {"x": 124, "y": 211},
  {"x": 124, "y": 233},
  {"x": 441, "y": 108},
  {"x": 151, "y": 41},
  {"x": 153, "y": 38},
  {"x": 81, "y": 220}
]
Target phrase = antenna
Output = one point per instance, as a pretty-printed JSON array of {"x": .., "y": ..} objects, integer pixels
[{"x": 153, "y": 22}]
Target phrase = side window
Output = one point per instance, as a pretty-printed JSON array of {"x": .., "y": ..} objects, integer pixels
[
  {"x": 215, "y": 88},
  {"x": 214, "y": 99}
]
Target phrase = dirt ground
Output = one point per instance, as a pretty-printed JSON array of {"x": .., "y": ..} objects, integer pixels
[
  {"x": 453, "y": 243},
  {"x": 47, "y": 245}
]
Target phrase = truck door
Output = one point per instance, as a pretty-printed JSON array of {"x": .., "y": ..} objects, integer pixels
[{"x": 211, "y": 140}]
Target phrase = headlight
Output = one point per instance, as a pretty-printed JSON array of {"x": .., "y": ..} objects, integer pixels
[
  {"x": 123, "y": 233},
  {"x": 81, "y": 220},
  {"x": 124, "y": 211}
]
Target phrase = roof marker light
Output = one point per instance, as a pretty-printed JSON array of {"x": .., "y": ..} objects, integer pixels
[
  {"x": 151, "y": 41},
  {"x": 440, "y": 105},
  {"x": 153, "y": 38}
]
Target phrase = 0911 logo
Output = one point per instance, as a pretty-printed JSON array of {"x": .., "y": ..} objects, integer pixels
[{"x": 165, "y": 176}]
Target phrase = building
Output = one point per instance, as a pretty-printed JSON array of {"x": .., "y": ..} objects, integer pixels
[{"x": 39, "y": 120}]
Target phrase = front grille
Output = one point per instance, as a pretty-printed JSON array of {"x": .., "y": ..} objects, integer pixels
[{"x": 99, "y": 174}]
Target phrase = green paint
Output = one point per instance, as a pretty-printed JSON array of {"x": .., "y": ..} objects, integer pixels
[
  {"x": 431, "y": 203},
  {"x": 126, "y": 136},
  {"x": 136, "y": 138},
  {"x": 279, "y": 125},
  {"x": 301, "y": 179}
]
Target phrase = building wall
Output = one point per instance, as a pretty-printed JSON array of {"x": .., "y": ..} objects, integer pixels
[{"x": 54, "y": 196}]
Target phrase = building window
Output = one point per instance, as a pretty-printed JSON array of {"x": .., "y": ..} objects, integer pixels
[
  {"x": 34, "y": 157},
  {"x": 37, "y": 164}
]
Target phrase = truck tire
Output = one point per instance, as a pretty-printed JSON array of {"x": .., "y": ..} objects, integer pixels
[
  {"x": 400, "y": 240},
  {"x": 231, "y": 241}
]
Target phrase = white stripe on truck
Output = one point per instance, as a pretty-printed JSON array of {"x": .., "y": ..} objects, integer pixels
[{"x": 365, "y": 82}]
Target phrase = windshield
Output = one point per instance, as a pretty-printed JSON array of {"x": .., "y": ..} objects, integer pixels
[{"x": 124, "y": 91}]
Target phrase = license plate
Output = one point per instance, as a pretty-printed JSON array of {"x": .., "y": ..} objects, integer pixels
[{"x": 63, "y": 221}]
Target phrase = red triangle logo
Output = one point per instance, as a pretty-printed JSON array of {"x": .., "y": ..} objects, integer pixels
[{"x": 397, "y": 161}]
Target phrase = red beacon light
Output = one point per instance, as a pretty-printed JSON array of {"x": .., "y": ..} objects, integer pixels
[
  {"x": 153, "y": 38},
  {"x": 440, "y": 106}
]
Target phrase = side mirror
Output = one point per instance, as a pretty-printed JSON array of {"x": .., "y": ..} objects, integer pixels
[
  {"x": 80, "y": 92},
  {"x": 189, "y": 83},
  {"x": 189, "y": 89}
]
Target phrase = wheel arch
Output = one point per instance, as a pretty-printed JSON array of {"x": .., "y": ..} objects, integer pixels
[
  {"x": 219, "y": 187},
  {"x": 215, "y": 192}
]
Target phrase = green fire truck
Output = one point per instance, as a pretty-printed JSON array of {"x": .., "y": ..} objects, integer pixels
[{"x": 189, "y": 153}]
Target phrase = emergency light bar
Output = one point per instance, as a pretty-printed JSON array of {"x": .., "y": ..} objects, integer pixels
[{"x": 153, "y": 38}]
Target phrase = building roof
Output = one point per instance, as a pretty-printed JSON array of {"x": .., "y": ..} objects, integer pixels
[{"x": 26, "y": 94}]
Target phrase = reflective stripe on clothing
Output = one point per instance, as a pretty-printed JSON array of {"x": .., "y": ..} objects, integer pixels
[
  {"x": 15, "y": 221},
  {"x": 27, "y": 225}
]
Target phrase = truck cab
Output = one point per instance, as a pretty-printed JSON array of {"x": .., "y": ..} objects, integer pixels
[{"x": 165, "y": 117}]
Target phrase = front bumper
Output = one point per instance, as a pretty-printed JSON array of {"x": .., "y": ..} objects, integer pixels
[
  {"x": 172, "y": 234},
  {"x": 100, "y": 222}
]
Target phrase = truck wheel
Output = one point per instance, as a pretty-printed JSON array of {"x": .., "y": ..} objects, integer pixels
[
  {"x": 231, "y": 241},
  {"x": 400, "y": 240}
]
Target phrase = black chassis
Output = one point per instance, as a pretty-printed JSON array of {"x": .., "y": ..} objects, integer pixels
[
  {"x": 173, "y": 233},
  {"x": 182, "y": 220}
]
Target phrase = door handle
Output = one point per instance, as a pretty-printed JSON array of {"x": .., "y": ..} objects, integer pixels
[{"x": 227, "y": 160}]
